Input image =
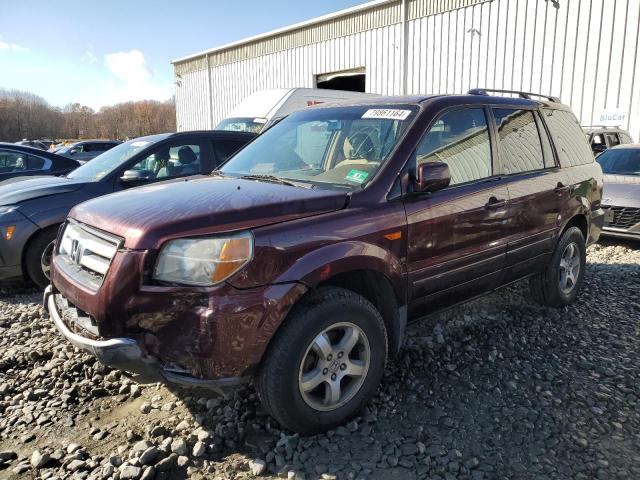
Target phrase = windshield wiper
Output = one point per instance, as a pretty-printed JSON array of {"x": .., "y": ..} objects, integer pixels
[{"x": 274, "y": 179}]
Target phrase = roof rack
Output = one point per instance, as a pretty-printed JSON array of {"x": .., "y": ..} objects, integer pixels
[{"x": 527, "y": 95}]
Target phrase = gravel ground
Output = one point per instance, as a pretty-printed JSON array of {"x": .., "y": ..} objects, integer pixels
[{"x": 498, "y": 388}]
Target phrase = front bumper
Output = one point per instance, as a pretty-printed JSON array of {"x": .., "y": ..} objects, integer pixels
[
  {"x": 11, "y": 250},
  {"x": 126, "y": 354},
  {"x": 595, "y": 225}
]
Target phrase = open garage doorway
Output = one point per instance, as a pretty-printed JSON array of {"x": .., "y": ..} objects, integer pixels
[{"x": 350, "y": 80}]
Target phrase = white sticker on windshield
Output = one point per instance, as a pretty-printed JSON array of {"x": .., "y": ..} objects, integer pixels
[
  {"x": 139, "y": 143},
  {"x": 387, "y": 113}
]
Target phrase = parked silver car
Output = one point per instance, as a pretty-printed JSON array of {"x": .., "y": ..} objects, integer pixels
[{"x": 621, "y": 168}]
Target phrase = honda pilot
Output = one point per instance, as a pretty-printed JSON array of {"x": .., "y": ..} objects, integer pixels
[{"x": 298, "y": 264}]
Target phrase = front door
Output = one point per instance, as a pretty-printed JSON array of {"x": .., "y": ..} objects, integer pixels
[{"x": 456, "y": 247}]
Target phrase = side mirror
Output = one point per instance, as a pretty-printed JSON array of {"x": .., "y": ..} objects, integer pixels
[
  {"x": 73, "y": 151},
  {"x": 598, "y": 148},
  {"x": 135, "y": 176},
  {"x": 432, "y": 176}
]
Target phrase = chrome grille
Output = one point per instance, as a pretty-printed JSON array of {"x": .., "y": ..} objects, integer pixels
[
  {"x": 85, "y": 253},
  {"x": 624, "y": 217}
]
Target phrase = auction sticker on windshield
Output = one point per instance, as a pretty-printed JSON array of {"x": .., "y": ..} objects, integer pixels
[
  {"x": 357, "y": 176},
  {"x": 387, "y": 113}
]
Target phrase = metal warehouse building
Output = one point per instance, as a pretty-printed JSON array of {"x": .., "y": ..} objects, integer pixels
[{"x": 584, "y": 51}]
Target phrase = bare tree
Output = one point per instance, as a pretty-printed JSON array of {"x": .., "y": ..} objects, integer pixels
[{"x": 25, "y": 115}]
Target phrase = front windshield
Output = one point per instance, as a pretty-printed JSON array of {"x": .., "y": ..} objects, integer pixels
[
  {"x": 623, "y": 161},
  {"x": 241, "y": 124},
  {"x": 334, "y": 147},
  {"x": 112, "y": 159}
]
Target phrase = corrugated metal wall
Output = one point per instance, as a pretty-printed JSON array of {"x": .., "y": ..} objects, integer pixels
[{"x": 584, "y": 51}]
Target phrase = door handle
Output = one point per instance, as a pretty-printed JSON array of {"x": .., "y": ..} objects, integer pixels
[{"x": 494, "y": 203}]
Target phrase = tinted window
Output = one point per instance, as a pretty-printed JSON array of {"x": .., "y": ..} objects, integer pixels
[
  {"x": 568, "y": 138},
  {"x": 223, "y": 149},
  {"x": 35, "y": 163},
  {"x": 624, "y": 161},
  {"x": 459, "y": 138},
  {"x": 175, "y": 160},
  {"x": 520, "y": 146}
]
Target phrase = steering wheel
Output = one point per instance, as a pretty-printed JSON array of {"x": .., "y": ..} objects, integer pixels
[{"x": 361, "y": 144}]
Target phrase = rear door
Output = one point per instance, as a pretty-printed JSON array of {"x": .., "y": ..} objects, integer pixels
[
  {"x": 535, "y": 185},
  {"x": 456, "y": 246}
]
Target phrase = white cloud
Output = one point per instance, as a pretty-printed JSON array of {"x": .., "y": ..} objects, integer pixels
[
  {"x": 130, "y": 67},
  {"x": 132, "y": 80},
  {"x": 11, "y": 47}
]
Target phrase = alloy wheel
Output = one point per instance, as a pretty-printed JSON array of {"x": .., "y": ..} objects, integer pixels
[
  {"x": 569, "y": 268},
  {"x": 334, "y": 366},
  {"x": 45, "y": 260}
]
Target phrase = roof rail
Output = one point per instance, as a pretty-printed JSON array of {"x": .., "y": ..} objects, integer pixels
[
  {"x": 527, "y": 95},
  {"x": 604, "y": 127}
]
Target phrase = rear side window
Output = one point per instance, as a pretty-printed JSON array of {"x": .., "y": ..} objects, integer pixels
[
  {"x": 459, "y": 138},
  {"x": 613, "y": 139},
  {"x": 223, "y": 149},
  {"x": 35, "y": 163},
  {"x": 624, "y": 138},
  {"x": 520, "y": 145},
  {"x": 568, "y": 138}
]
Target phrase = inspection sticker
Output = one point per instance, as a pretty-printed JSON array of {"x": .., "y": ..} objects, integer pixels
[
  {"x": 357, "y": 176},
  {"x": 387, "y": 113}
]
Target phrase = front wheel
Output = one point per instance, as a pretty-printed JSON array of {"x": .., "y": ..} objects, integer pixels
[
  {"x": 325, "y": 362},
  {"x": 559, "y": 284},
  {"x": 38, "y": 256}
]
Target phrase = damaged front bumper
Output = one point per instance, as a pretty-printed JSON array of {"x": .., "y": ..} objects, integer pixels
[{"x": 126, "y": 354}]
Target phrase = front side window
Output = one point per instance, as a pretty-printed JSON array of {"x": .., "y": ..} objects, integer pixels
[
  {"x": 520, "y": 146},
  {"x": 459, "y": 138},
  {"x": 12, "y": 161},
  {"x": 332, "y": 147},
  {"x": 171, "y": 161}
]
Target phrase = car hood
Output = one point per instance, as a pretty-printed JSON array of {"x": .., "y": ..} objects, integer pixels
[
  {"x": 148, "y": 216},
  {"x": 621, "y": 190},
  {"x": 19, "y": 189}
]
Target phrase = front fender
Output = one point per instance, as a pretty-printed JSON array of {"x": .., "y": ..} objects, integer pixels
[{"x": 330, "y": 260}]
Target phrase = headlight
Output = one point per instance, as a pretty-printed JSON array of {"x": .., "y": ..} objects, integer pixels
[{"x": 203, "y": 261}]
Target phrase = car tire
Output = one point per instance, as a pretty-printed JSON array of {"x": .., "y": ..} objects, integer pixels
[
  {"x": 40, "y": 246},
  {"x": 560, "y": 282},
  {"x": 332, "y": 321}
]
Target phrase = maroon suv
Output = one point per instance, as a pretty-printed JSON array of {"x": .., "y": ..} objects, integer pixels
[{"x": 298, "y": 264}]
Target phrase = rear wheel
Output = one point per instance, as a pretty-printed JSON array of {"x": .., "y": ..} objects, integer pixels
[
  {"x": 325, "y": 362},
  {"x": 559, "y": 284},
  {"x": 38, "y": 256}
]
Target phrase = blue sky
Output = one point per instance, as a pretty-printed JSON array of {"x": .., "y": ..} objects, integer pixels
[{"x": 103, "y": 52}]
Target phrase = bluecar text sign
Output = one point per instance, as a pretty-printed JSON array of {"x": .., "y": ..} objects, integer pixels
[{"x": 612, "y": 117}]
